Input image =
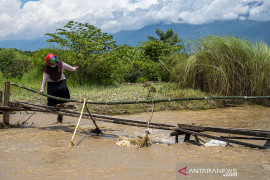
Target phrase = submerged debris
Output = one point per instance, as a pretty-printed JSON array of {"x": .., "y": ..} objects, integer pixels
[
  {"x": 137, "y": 142},
  {"x": 213, "y": 142}
]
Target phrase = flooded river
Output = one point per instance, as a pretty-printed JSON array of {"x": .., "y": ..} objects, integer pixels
[{"x": 41, "y": 149}]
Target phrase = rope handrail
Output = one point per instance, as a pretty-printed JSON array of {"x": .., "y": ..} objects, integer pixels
[{"x": 144, "y": 101}]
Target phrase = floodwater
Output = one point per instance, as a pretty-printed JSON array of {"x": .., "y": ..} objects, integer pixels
[{"x": 41, "y": 149}]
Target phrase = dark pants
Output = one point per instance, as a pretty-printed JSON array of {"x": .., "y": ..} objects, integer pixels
[{"x": 58, "y": 89}]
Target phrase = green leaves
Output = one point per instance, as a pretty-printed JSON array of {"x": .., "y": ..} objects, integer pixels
[
  {"x": 14, "y": 63},
  {"x": 168, "y": 43},
  {"x": 90, "y": 47},
  {"x": 84, "y": 39},
  {"x": 169, "y": 38}
]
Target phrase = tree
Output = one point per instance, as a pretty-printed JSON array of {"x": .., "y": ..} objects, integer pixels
[
  {"x": 84, "y": 39},
  {"x": 91, "y": 49},
  {"x": 161, "y": 51},
  {"x": 169, "y": 37},
  {"x": 167, "y": 44}
]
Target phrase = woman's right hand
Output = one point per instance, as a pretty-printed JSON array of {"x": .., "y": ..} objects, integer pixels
[{"x": 39, "y": 92}]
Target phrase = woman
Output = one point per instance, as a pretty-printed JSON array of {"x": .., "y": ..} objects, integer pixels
[{"x": 56, "y": 80}]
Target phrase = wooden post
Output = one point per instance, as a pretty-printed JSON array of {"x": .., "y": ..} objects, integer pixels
[
  {"x": 60, "y": 118},
  {"x": 267, "y": 144},
  {"x": 1, "y": 100},
  {"x": 6, "y": 103},
  {"x": 187, "y": 137},
  {"x": 176, "y": 139},
  {"x": 1, "y": 97}
]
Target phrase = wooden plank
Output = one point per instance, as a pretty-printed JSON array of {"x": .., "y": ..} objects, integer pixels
[
  {"x": 218, "y": 138},
  {"x": 247, "y": 132},
  {"x": 186, "y": 126},
  {"x": 247, "y": 138},
  {"x": 176, "y": 133},
  {"x": 8, "y": 108},
  {"x": 6, "y": 103}
]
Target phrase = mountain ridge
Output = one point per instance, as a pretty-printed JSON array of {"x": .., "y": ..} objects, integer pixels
[{"x": 250, "y": 30}]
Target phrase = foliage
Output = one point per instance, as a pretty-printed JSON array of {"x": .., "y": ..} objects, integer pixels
[
  {"x": 134, "y": 66},
  {"x": 168, "y": 37},
  {"x": 84, "y": 39},
  {"x": 14, "y": 63},
  {"x": 158, "y": 53},
  {"x": 227, "y": 66},
  {"x": 38, "y": 57},
  {"x": 125, "y": 56},
  {"x": 167, "y": 43},
  {"x": 88, "y": 48}
]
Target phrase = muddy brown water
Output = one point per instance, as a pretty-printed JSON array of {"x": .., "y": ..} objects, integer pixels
[{"x": 40, "y": 150}]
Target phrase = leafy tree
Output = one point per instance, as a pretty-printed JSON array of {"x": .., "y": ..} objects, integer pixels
[
  {"x": 84, "y": 39},
  {"x": 167, "y": 43},
  {"x": 91, "y": 48},
  {"x": 128, "y": 58},
  {"x": 168, "y": 37},
  {"x": 134, "y": 66},
  {"x": 158, "y": 50}
]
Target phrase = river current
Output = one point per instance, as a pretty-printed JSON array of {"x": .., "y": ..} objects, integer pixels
[{"x": 40, "y": 149}]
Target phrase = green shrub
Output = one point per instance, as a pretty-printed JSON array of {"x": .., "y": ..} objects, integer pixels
[{"x": 14, "y": 63}]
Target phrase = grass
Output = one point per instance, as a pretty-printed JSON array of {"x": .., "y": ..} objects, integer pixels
[
  {"x": 227, "y": 66},
  {"x": 122, "y": 92}
]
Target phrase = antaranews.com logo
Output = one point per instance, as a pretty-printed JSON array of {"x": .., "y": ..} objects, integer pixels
[
  {"x": 225, "y": 172},
  {"x": 248, "y": 171}
]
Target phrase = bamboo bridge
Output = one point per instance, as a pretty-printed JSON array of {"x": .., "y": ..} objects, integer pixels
[{"x": 7, "y": 106}]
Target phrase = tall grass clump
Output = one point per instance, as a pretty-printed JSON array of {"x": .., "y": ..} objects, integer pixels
[{"x": 227, "y": 66}]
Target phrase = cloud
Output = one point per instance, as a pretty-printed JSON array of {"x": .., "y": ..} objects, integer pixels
[{"x": 36, "y": 18}]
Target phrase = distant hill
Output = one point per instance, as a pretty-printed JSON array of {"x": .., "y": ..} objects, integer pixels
[
  {"x": 251, "y": 30},
  {"x": 25, "y": 45}
]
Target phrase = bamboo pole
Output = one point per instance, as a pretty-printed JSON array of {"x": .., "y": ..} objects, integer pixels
[
  {"x": 146, "y": 101},
  {"x": 71, "y": 141},
  {"x": 146, "y": 141},
  {"x": 46, "y": 95},
  {"x": 97, "y": 130}
]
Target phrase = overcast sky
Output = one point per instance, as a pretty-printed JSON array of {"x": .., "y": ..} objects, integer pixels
[{"x": 23, "y": 19}]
